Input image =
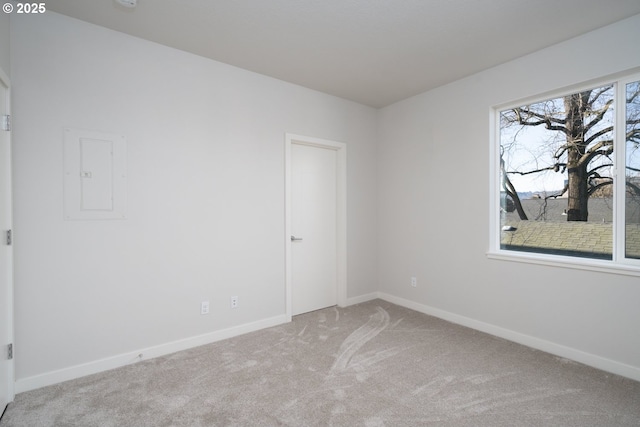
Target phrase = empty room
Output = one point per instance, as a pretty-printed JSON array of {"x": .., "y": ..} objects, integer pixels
[{"x": 337, "y": 212}]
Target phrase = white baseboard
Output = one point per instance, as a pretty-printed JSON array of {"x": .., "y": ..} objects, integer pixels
[
  {"x": 73, "y": 372},
  {"x": 363, "y": 298},
  {"x": 97, "y": 366},
  {"x": 589, "y": 359}
]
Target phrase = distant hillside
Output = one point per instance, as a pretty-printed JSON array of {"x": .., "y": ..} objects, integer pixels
[
  {"x": 524, "y": 195},
  {"x": 600, "y": 210}
]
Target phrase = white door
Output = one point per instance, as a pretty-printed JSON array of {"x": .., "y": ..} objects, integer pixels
[
  {"x": 6, "y": 282},
  {"x": 313, "y": 228}
]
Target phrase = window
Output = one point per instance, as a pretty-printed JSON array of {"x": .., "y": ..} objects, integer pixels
[{"x": 567, "y": 172}]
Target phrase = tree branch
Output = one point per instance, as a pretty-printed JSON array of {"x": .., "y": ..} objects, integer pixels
[
  {"x": 603, "y": 184},
  {"x": 634, "y": 188},
  {"x": 548, "y": 168},
  {"x": 599, "y": 93},
  {"x": 598, "y": 117},
  {"x": 511, "y": 191},
  {"x": 593, "y": 172},
  {"x": 598, "y": 134},
  {"x": 558, "y": 194},
  {"x": 597, "y": 151}
]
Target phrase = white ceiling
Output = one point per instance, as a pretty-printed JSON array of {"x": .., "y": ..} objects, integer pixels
[{"x": 374, "y": 52}]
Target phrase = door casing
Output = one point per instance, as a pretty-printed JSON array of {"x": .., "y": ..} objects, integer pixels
[
  {"x": 7, "y": 392},
  {"x": 341, "y": 214}
]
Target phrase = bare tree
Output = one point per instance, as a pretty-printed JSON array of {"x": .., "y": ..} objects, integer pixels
[
  {"x": 511, "y": 193},
  {"x": 582, "y": 123},
  {"x": 633, "y": 139}
]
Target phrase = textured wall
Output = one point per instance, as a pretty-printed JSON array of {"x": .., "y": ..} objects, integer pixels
[
  {"x": 205, "y": 193},
  {"x": 434, "y": 211},
  {"x": 5, "y": 63}
]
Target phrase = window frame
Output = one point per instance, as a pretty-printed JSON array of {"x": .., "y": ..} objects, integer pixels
[{"x": 619, "y": 264}]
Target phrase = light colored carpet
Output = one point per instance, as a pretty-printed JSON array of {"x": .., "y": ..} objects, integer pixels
[{"x": 372, "y": 364}]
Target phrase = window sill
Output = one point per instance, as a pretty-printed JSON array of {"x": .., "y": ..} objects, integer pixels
[{"x": 568, "y": 262}]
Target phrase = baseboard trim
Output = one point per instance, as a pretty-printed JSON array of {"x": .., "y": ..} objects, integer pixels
[
  {"x": 589, "y": 359},
  {"x": 73, "y": 372},
  {"x": 363, "y": 298}
]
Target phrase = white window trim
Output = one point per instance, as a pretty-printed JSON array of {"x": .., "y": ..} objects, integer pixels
[{"x": 619, "y": 264}]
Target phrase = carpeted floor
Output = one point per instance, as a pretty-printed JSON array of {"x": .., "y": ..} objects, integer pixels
[{"x": 372, "y": 364}]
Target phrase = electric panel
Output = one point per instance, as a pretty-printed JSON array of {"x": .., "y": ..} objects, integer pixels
[{"x": 95, "y": 175}]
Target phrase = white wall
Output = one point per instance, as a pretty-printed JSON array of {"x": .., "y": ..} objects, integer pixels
[
  {"x": 206, "y": 202},
  {"x": 5, "y": 63},
  {"x": 205, "y": 216},
  {"x": 433, "y": 164}
]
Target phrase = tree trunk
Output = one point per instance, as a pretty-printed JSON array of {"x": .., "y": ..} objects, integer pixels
[
  {"x": 511, "y": 191},
  {"x": 577, "y": 209},
  {"x": 577, "y": 173}
]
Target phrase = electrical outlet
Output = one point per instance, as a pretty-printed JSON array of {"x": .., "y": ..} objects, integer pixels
[
  {"x": 234, "y": 302},
  {"x": 414, "y": 282},
  {"x": 204, "y": 307}
]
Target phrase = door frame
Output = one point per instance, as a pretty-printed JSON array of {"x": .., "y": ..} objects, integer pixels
[
  {"x": 4, "y": 80},
  {"x": 341, "y": 214}
]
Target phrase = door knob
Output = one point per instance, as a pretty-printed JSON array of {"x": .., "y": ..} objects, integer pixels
[{"x": 294, "y": 238}]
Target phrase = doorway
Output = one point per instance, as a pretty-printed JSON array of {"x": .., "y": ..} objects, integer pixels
[
  {"x": 6, "y": 252},
  {"x": 315, "y": 229}
]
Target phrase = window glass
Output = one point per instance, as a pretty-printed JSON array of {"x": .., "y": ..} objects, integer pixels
[
  {"x": 557, "y": 175},
  {"x": 632, "y": 171}
]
